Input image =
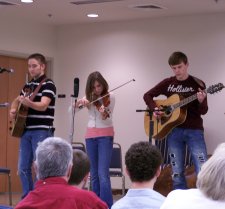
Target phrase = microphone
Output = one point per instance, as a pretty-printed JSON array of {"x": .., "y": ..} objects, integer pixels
[
  {"x": 6, "y": 104},
  {"x": 76, "y": 87},
  {"x": 2, "y": 70},
  {"x": 142, "y": 110}
]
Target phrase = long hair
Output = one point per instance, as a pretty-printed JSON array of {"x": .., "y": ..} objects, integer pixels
[
  {"x": 95, "y": 76},
  {"x": 53, "y": 157},
  {"x": 211, "y": 178}
]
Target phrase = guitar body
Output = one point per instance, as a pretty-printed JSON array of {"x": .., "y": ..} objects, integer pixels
[
  {"x": 168, "y": 121},
  {"x": 20, "y": 121}
]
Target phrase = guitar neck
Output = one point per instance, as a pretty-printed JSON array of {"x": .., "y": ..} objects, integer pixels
[
  {"x": 185, "y": 101},
  {"x": 211, "y": 90}
]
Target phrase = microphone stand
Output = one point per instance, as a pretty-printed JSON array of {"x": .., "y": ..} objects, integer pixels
[
  {"x": 72, "y": 118},
  {"x": 151, "y": 123}
]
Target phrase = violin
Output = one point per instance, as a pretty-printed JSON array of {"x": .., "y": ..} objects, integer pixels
[
  {"x": 103, "y": 103},
  {"x": 105, "y": 98}
]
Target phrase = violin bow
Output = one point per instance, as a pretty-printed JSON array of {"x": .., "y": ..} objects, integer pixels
[{"x": 109, "y": 92}]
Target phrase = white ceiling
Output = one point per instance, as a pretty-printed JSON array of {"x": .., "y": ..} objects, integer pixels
[{"x": 60, "y": 12}]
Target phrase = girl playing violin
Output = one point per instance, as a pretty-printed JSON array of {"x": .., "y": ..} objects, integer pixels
[{"x": 99, "y": 134}]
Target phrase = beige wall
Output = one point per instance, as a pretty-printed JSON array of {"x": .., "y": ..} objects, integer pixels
[
  {"x": 123, "y": 51},
  {"x": 22, "y": 38},
  {"x": 140, "y": 50}
]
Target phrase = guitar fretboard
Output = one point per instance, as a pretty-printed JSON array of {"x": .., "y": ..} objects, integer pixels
[
  {"x": 185, "y": 101},
  {"x": 211, "y": 90}
]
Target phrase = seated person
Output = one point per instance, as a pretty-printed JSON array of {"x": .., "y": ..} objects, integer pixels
[
  {"x": 53, "y": 165},
  {"x": 80, "y": 169},
  {"x": 210, "y": 192},
  {"x": 143, "y": 167}
]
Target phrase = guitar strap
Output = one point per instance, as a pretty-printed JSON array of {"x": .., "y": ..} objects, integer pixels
[
  {"x": 37, "y": 89},
  {"x": 199, "y": 82}
]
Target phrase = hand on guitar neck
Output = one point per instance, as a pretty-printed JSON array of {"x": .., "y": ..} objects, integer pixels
[{"x": 201, "y": 95}]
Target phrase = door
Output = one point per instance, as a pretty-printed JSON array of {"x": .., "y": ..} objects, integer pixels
[{"x": 10, "y": 87}]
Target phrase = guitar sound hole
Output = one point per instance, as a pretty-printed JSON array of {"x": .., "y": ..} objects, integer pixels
[
  {"x": 167, "y": 110},
  {"x": 167, "y": 114}
]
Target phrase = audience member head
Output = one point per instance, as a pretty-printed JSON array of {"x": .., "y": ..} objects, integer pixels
[
  {"x": 211, "y": 178},
  {"x": 53, "y": 158},
  {"x": 80, "y": 169},
  {"x": 143, "y": 162}
]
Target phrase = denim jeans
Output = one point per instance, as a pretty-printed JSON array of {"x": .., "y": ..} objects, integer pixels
[
  {"x": 177, "y": 141},
  {"x": 99, "y": 151},
  {"x": 28, "y": 144}
]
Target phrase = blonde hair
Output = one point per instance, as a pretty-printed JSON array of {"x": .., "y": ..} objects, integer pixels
[{"x": 211, "y": 178}]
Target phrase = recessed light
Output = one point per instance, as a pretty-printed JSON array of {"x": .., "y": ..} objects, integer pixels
[
  {"x": 92, "y": 15},
  {"x": 27, "y": 1}
]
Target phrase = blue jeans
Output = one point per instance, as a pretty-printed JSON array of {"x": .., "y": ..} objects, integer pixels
[
  {"x": 28, "y": 144},
  {"x": 99, "y": 151},
  {"x": 177, "y": 141}
]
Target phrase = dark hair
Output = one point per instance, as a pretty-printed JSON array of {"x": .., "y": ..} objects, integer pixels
[
  {"x": 39, "y": 57},
  {"x": 95, "y": 76},
  {"x": 81, "y": 167},
  {"x": 142, "y": 161},
  {"x": 176, "y": 58}
]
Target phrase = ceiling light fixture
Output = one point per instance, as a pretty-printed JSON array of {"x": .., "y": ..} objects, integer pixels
[
  {"x": 27, "y": 1},
  {"x": 92, "y": 15}
]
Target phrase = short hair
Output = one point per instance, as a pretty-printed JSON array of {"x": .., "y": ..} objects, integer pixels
[
  {"x": 81, "y": 167},
  {"x": 142, "y": 161},
  {"x": 176, "y": 58},
  {"x": 211, "y": 178},
  {"x": 39, "y": 57},
  {"x": 53, "y": 157},
  {"x": 95, "y": 76}
]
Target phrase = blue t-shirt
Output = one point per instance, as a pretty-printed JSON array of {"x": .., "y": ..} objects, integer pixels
[{"x": 140, "y": 198}]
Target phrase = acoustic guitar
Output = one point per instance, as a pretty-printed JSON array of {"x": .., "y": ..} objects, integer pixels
[
  {"x": 19, "y": 123},
  {"x": 174, "y": 112}
]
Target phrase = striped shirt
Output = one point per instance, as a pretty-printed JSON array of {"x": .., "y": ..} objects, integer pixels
[{"x": 41, "y": 119}]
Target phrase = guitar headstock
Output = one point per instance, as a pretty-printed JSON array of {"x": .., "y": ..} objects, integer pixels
[{"x": 215, "y": 88}]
